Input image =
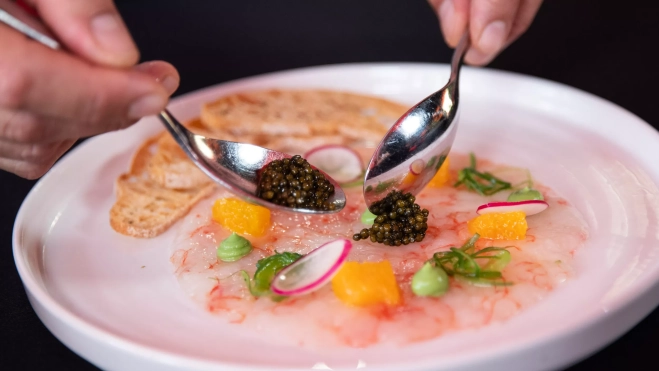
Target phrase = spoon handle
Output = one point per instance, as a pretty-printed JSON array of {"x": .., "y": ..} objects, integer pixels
[
  {"x": 179, "y": 132},
  {"x": 15, "y": 17},
  {"x": 458, "y": 56}
]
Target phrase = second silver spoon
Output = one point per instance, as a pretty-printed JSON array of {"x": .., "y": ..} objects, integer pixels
[{"x": 416, "y": 146}]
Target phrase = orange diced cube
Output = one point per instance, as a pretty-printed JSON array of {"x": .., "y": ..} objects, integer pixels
[
  {"x": 363, "y": 284},
  {"x": 500, "y": 226},
  {"x": 241, "y": 217}
]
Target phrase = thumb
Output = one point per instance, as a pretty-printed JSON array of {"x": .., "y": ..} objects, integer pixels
[{"x": 93, "y": 29}]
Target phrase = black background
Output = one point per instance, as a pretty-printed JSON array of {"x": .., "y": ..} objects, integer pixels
[{"x": 603, "y": 47}]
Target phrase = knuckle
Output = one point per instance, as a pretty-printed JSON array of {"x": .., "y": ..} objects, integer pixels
[
  {"x": 100, "y": 114},
  {"x": 24, "y": 128},
  {"x": 14, "y": 88},
  {"x": 38, "y": 153},
  {"x": 102, "y": 106}
]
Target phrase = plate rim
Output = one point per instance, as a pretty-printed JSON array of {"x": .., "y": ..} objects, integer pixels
[{"x": 46, "y": 300}]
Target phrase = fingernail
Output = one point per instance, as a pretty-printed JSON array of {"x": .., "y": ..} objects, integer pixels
[
  {"x": 492, "y": 38},
  {"x": 170, "y": 83},
  {"x": 145, "y": 106},
  {"x": 446, "y": 16},
  {"x": 111, "y": 35},
  {"x": 476, "y": 58}
]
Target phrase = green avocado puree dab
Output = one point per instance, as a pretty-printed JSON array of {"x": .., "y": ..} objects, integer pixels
[
  {"x": 233, "y": 248},
  {"x": 525, "y": 194},
  {"x": 430, "y": 280}
]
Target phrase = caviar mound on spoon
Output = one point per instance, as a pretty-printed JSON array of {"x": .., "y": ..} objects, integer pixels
[{"x": 262, "y": 176}]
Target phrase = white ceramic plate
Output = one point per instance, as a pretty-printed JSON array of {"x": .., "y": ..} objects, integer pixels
[{"x": 115, "y": 301}]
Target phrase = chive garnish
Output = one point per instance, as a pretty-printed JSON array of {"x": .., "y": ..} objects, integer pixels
[
  {"x": 462, "y": 262},
  {"x": 484, "y": 184}
]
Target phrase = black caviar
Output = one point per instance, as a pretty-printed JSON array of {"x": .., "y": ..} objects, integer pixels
[
  {"x": 399, "y": 221},
  {"x": 294, "y": 183}
]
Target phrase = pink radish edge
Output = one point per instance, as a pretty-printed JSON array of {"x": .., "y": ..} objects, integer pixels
[
  {"x": 530, "y": 207},
  {"x": 347, "y": 246},
  {"x": 337, "y": 147},
  {"x": 416, "y": 167}
]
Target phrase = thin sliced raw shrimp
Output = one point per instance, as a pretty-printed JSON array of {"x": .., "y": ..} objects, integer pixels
[{"x": 539, "y": 264}]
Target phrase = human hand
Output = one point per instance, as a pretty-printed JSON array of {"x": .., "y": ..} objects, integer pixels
[
  {"x": 493, "y": 24},
  {"x": 49, "y": 98}
]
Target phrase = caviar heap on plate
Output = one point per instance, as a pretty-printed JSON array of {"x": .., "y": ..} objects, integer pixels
[
  {"x": 399, "y": 221},
  {"x": 294, "y": 183}
]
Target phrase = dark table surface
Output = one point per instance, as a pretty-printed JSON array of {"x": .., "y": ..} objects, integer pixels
[{"x": 607, "y": 48}]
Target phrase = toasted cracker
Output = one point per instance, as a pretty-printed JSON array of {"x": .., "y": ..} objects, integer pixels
[
  {"x": 171, "y": 168},
  {"x": 145, "y": 208},
  {"x": 299, "y": 113}
]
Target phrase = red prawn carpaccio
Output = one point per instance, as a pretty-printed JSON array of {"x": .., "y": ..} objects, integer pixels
[{"x": 539, "y": 264}]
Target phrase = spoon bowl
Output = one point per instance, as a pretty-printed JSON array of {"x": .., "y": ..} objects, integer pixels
[
  {"x": 416, "y": 145},
  {"x": 236, "y": 166}
]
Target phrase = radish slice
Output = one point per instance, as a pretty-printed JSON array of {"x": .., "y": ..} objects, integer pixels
[
  {"x": 339, "y": 162},
  {"x": 416, "y": 167},
  {"x": 529, "y": 207},
  {"x": 313, "y": 270}
]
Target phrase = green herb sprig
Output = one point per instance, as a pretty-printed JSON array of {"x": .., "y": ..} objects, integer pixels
[
  {"x": 484, "y": 184},
  {"x": 462, "y": 263},
  {"x": 266, "y": 270}
]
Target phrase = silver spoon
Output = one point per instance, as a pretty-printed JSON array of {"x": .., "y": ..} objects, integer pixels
[
  {"x": 233, "y": 165},
  {"x": 423, "y": 136},
  {"x": 236, "y": 165}
]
